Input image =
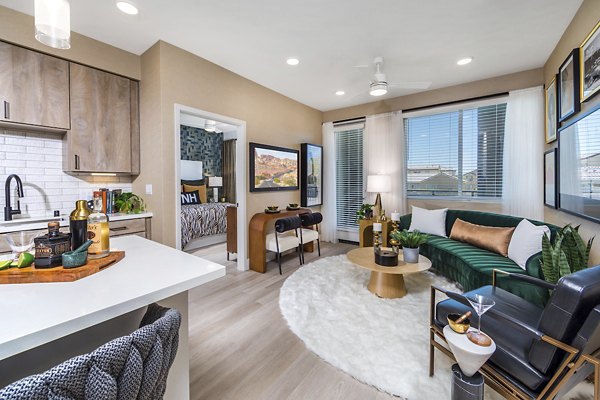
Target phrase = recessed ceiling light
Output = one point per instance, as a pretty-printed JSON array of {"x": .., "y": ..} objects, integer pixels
[
  {"x": 293, "y": 61},
  {"x": 464, "y": 61},
  {"x": 127, "y": 7},
  {"x": 340, "y": 93}
]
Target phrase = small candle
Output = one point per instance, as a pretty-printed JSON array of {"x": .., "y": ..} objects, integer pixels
[
  {"x": 377, "y": 227},
  {"x": 396, "y": 216}
]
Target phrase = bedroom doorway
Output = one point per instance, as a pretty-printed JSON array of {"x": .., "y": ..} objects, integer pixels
[{"x": 212, "y": 165}]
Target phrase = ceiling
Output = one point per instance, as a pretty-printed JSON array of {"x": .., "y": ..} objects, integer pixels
[{"x": 419, "y": 40}]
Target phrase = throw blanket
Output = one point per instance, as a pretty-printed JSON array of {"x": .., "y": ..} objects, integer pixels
[
  {"x": 128, "y": 368},
  {"x": 199, "y": 220}
]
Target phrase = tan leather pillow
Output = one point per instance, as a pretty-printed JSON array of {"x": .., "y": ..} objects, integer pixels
[
  {"x": 201, "y": 189},
  {"x": 486, "y": 237}
]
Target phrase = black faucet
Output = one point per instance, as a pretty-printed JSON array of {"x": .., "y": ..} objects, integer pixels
[{"x": 8, "y": 211}]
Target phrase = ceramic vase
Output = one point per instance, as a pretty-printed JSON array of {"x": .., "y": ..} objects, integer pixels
[{"x": 410, "y": 255}]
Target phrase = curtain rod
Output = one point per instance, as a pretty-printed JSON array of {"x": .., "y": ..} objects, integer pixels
[
  {"x": 349, "y": 121},
  {"x": 448, "y": 103}
]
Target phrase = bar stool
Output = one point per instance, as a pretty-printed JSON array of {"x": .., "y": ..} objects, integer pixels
[
  {"x": 285, "y": 238},
  {"x": 308, "y": 235}
]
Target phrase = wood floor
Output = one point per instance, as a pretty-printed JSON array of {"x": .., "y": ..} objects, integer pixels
[{"x": 241, "y": 347}]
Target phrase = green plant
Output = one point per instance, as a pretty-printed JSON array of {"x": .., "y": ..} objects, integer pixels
[
  {"x": 364, "y": 212},
  {"x": 410, "y": 240},
  {"x": 130, "y": 203},
  {"x": 568, "y": 254}
]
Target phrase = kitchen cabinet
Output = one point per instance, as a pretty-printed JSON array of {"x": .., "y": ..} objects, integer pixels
[
  {"x": 104, "y": 135},
  {"x": 34, "y": 88}
]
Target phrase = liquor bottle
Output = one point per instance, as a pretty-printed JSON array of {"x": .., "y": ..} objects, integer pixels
[
  {"x": 49, "y": 248},
  {"x": 97, "y": 231},
  {"x": 78, "y": 224}
]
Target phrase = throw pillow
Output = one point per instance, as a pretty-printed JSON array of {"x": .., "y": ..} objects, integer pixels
[
  {"x": 526, "y": 241},
  {"x": 429, "y": 221},
  {"x": 188, "y": 198},
  {"x": 491, "y": 238},
  {"x": 201, "y": 189}
]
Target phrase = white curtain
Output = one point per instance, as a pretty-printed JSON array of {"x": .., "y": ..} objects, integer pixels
[
  {"x": 329, "y": 208},
  {"x": 384, "y": 153},
  {"x": 523, "y": 179}
]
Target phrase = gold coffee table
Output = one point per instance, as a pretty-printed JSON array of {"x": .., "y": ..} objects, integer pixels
[{"x": 386, "y": 282}]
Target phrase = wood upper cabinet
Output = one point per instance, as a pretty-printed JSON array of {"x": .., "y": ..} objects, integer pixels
[
  {"x": 104, "y": 113},
  {"x": 34, "y": 88}
]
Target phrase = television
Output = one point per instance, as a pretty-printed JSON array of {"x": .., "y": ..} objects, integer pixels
[
  {"x": 273, "y": 168},
  {"x": 579, "y": 166}
]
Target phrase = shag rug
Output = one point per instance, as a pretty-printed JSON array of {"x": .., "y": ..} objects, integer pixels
[{"x": 381, "y": 342}]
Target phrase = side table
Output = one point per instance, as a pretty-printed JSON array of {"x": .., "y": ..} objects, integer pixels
[{"x": 365, "y": 232}]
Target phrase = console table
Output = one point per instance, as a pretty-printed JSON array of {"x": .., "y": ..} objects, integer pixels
[{"x": 257, "y": 232}]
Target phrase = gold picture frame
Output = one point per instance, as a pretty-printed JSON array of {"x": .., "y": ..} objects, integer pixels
[
  {"x": 551, "y": 120},
  {"x": 589, "y": 58}
]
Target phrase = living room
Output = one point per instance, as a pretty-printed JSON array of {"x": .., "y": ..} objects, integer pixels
[{"x": 478, "y": 129}]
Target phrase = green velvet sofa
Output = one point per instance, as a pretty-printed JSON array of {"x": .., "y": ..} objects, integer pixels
[{"x": 471, "y": 266}]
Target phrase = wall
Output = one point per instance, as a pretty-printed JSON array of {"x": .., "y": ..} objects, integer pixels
[
  {"x": 37, "y": 158},
  {"x": 200, "y": 145},
  {"x": 582, "y": 24},
  {"x": 184, "y": 78}
]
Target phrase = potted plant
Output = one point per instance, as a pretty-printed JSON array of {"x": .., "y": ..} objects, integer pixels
[
  {"x": 364, "y": 212},
  {"x": 130, "y": 203},
  {"x": 568, "y": 254},
  {"x": 410, "y": 242}
]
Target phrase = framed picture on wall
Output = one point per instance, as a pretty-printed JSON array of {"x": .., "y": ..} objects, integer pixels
[
  {"x": 550, "y": 179},
  {"x": 568, "y": 87},
  {"x": 589, "y": 55},
  {"x": 551, "y": 114},
  {"x": 311, "y": 191},
  {"x": 273, "y": 168}
]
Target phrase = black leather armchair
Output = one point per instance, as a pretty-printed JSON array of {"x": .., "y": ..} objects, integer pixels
[{"x": 539, "y": 352}]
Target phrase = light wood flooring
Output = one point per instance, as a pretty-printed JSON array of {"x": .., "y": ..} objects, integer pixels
[{"x": 241, "y": 347}]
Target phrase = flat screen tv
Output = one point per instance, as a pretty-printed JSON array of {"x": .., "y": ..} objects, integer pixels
[
  {"x": 579, "y": 166},
  {"x": 273, "y": 168}
]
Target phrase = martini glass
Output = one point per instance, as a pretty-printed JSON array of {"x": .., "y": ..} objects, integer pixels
[
  {"x": 480, "y": 304},
  {"x": 20, "y": 242}
]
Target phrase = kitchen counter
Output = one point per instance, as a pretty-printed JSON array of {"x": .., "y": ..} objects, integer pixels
[
  {"x": 39, "y": 313},
  {"x": 25, "y": 224}
]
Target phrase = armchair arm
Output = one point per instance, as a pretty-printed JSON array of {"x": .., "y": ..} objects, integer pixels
[
  {"x": 523, "y": 278},
  {"x": 533, "y": 267}
]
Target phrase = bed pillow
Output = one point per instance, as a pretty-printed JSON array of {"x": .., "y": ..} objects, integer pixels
[
  {"x": 491, "y": 238},
  {"x": 193, "y": 182},
  {"x": 201, "y": 189},
  {"x": 526, "y": 241},
  {"x": 432, "y": 222},
  {"x": 189, "y": 198}
]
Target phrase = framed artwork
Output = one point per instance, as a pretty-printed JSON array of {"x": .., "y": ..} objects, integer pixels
[
  {"x": 273, "y": 168},
  {"x": 589, "y": 55},
  {"x": 550, "y": 179},
  {"x": 551, "y": 114},
  {"x": 311, "y": 192},
  {"x": 568, "y": 87}
]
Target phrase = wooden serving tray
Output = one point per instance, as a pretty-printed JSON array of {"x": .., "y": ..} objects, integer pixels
[{"x": 59, "y": 274}]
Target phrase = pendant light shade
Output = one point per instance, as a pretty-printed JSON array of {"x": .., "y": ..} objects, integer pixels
[{"x": 53, "y": 23}]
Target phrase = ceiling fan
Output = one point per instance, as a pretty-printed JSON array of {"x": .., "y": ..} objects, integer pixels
[{"x": 379, "y": 86}]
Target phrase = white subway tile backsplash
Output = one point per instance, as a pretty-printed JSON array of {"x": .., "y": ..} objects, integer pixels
[{"x": 37, "y": 158}]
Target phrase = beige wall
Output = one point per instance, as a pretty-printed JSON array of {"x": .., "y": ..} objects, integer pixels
[
  {"x": 192, "y": 81},
  {"x": 17, "y": 28},
  {"x": 582, "y": 24}
]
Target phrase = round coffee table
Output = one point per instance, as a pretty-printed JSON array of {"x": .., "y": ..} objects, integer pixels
[{"x": 386, "y": 282}]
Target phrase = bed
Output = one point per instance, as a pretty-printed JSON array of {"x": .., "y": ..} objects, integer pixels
[{"x": 203, "y": 224}]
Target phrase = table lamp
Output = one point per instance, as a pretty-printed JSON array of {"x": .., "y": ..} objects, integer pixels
[
  {"x": 215, "y": 182},
  {"x": 378, "y": 184}
]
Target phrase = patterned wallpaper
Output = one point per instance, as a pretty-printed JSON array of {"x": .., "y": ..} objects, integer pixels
[{"x": 200, "y": 145}]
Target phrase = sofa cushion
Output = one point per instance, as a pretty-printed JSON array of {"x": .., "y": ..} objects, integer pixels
[
  {"x": 526, "y": 241},
  {"x": 491, "y": 238},
  {"x": 432, "y": 222}
]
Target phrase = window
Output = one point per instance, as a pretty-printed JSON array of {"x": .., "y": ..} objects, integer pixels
[
  {"x": 349, "y": 175},
  {"x": 456, "y": 152}
]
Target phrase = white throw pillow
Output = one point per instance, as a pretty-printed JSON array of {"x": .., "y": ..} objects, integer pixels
[
  {"x": 526, "y": 241},
  {"x": 432, "y": 222}
]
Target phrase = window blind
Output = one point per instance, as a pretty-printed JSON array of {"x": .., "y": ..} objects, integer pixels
[
  {"x": 456, "y": 153},
  {"x": 349, "y": 175}
]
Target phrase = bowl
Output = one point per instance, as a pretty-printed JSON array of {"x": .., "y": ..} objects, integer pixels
[
  {"x": 293, "y": 205},
  {"x": 463, "y": 327},
  {"x": 74, "y": 260},
  {"x": 272, "y": 208}
]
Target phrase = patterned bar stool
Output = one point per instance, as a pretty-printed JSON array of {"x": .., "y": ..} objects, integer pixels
[{"x": 285, "y": 238}]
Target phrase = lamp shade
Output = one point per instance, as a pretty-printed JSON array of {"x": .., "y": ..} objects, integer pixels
[
  {"x": 215, "y": 181},
  {"x": 53, "y": 23},
  {"x": 379, "y": 183}
]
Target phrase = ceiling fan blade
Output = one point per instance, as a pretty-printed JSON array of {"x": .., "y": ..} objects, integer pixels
[
  {"x": 411, "y": 85},
  {"x": 361, "y": 66}
]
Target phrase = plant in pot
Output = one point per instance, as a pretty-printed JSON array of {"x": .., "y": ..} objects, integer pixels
[
  {"x": 569, "y": 253},
  {"x": 130, "y": 203},
  {"x": 410, "y": 242},
  {"x": 364, "y": 212}
]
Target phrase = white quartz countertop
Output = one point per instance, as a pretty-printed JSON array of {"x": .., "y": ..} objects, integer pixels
[
  {"x": 36, "y": 313},
  {"x": 26, "y": 224}
]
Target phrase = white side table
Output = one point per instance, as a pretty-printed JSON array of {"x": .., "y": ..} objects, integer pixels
[{"x": 470, "y": 357}]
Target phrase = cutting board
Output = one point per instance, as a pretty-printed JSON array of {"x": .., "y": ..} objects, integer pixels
[{"x": 59, "y": 274}]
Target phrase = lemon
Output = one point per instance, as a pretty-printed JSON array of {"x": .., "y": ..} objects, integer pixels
[
  {"x": 5, "y": 264},
  {"x": 25, "y": 260}
]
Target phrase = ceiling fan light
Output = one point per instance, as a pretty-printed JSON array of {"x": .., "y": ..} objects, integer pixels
[
  {"x": 53, "y": 23},
  {"x": 378, "y": 89}
]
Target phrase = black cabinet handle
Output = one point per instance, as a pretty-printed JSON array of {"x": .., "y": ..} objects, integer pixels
[
  {"x": 6, "y": 110},
  {"x": 76, "y": 161}
]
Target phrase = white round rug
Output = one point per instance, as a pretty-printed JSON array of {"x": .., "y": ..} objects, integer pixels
[{"x": 381, "y": 342}]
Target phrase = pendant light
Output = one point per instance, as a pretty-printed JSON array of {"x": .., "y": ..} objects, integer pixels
[{"x": 53, "y": 23}]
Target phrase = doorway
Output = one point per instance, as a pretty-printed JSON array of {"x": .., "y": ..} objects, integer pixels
[{"x": 236, "y": 129}]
